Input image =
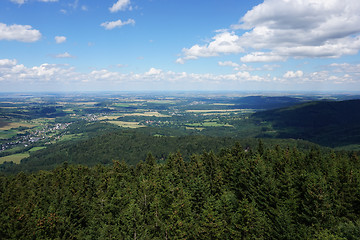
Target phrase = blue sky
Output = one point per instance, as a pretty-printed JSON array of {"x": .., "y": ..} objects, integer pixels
[{"x": 166, "y": 45}]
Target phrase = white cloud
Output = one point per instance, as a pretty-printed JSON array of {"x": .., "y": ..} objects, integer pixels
[
  {"x": 228, "y": 63},
  {"x": 15, "y": 73},
  {"x": 291, "y": 74},
  {"x": 222, "y": 43},
  {"x": 120, "y": 5},
  {"x": 60, "y": 39},
  {"x": 64, "y": 55},
  {"x": 153, "y": 71},
  {"x": 262, "y": 57},
  {"x": 238, "y": 67},
  {"x": 5, "y": 63},
  {"x": 278, "y": 29},
  {"x": 22, "y": 33},
  {"x": 118, "y": 23},
  {"x": 345, "y": 68},
  {"x": 15, "y": 76},
  {"x": 18, "y": 1}
]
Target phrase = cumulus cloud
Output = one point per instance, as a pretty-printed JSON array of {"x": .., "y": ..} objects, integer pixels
[
  {"x": 5, "y": 63},
  {"x": 228, "y": 64},
  {"x": 120, "y": 5},
  {"x": 291, "y": 74},
  {"x": 36, "y": 77},
  {"x": 15, "y": 73},
  {"x": 60, "y": 39},
  {"x": 118, "y": 23},
  {"x": 64, "y": 55},
  {"x": 153, "y": 71},
  {"x": 22, "y": 33},
  {"x": 279, "y": 29},
  {"x": 222, "y": 43}
]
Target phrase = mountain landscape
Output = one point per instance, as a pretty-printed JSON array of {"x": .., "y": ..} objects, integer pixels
[
  {"x": 199, "y": 166},
  {"x": 179, "y": 119}
]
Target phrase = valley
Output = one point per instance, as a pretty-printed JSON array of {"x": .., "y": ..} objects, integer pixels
[{"x": 32, "y": 122}]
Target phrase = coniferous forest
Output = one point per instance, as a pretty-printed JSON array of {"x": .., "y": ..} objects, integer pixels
[{"x": 260, "y": 193}]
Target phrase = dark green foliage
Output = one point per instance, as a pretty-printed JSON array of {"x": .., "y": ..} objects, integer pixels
[
  {"x": 330, "y": 123},
  {"x": 101, "y": 143},
  {"x": 270, "y": 193}
]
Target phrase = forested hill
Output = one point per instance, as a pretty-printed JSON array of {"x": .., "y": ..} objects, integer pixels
[
  {"x": 268, "y": 193},
  {"x": 132, "y": 146},
  {"x": 330, "y": 123}
]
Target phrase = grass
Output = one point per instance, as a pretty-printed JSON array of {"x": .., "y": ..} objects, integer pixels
[
  {"x": 34, "y": 149},
  {"x": 15, "y": 158},
  {"x": 70, "y": 137},
  {"x": 126, "y": 124},
  {"x": 7, "y": 134}
]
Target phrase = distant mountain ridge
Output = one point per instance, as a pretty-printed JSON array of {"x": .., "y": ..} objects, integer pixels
[{"x": 329, "y": 123}]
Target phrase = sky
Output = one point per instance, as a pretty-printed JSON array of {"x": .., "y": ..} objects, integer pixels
[{"x": 179, "y": 45}]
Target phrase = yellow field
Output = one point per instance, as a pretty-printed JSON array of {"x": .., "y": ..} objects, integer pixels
[
  {"x": 108, "y": 117},
  {"x": 126, "y": 124},
  {"x": 162, "y": 101},
  {"x": 16, "y": 125},
  {"x": 15, "y": 158},
  {"x": 142, "y": 114},
  {"x": 83, "y": 103},
  {"x": 218, "y": 110},
  {"x": 216, "y": 113},
  {"x": 40, "y": 121},
  {"x": 195, "y": 128},
  {"x": 147, "y": 114}
]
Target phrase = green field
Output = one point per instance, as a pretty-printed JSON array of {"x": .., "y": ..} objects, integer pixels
[
  {"x": 70, "y": 137},
  {"x": 34, "y": 149},
  {"x": 125, "y": 105},
  {"x": 126, "y": 124},
  {"x": 15, "y": 158}
]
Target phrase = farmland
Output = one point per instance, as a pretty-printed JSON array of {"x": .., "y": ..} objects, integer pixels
[{"x": 35, "y": 121}]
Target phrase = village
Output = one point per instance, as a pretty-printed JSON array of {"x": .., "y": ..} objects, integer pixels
[{"x": 46, "y": 135}]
